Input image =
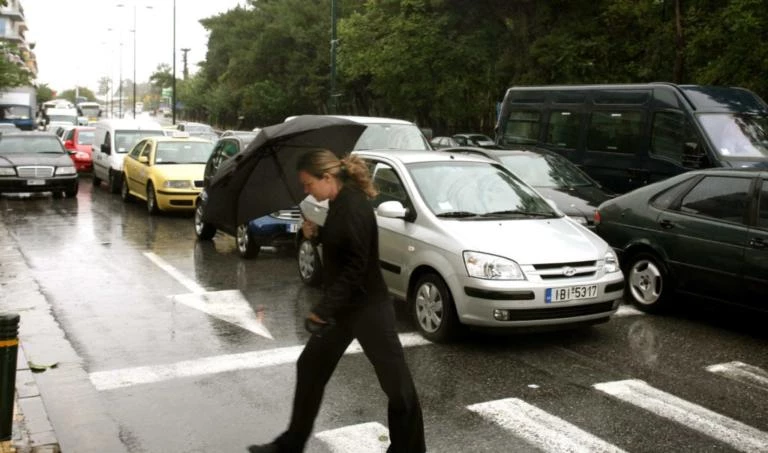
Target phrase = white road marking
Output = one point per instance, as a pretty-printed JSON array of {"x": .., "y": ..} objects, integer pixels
[
  {"x": 727, "y": 430},
  {"x": 188, "y": 283},
  {"x": 229, "y": 305},
  {"x": 370, "y": 437},
  {"x": 628, "y": 310},
  {"x": 126, "y": 377},
  {"x": 544, "y": 431},
  {"x": 742, "y": 372}
]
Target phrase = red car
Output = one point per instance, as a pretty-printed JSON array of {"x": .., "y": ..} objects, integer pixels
[{"x": 78, "y": 142}]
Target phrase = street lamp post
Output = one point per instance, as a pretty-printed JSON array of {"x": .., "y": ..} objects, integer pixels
[
  {"x": 173, "y": 91},
  {"x": 134, "y": 53}
]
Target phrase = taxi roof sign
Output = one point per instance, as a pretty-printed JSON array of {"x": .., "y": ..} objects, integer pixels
[{"x": 180, "y": 134}]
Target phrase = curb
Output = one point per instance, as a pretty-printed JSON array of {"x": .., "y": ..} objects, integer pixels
[{"x": 32, "y": 430}]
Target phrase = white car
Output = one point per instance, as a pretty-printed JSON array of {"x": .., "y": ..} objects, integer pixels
[{"x": 465, "y": 242}]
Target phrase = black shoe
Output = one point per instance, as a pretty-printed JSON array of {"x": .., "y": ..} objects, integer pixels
[{"x": 265, "y": 448}]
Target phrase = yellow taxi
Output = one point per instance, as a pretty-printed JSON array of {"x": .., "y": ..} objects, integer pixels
[{"x": 166, "y": 172}]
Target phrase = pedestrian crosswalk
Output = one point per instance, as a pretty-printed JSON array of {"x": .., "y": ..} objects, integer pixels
[{"x": 545, "y": 432}]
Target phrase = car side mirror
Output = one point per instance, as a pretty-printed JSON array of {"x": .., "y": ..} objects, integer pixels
[
  {"x": 69, "y": 144},
  {"x": 105, "y": 149},
  {"x": 392, "y": 210},
  {"x": 144, "y": 159}
]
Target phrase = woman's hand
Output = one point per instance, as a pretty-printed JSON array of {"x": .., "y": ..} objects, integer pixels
[
  {"x": 309, "y": 229},
  {"x": 314, "y": 318}
]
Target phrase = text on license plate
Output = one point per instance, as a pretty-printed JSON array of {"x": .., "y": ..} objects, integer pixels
[
  {"x": 570, "y": 293},
  {"x": 36, "y": 182},
  {"x": 292, "y": 227}
]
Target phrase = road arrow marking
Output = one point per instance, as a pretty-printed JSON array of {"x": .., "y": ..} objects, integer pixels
[
  {"x": 545, "y": 431},
  {"x": 727, "y": 430},
  {"x": 228, "y": 305}
]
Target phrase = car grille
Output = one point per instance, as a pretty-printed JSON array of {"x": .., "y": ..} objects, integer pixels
[
  {"x": 35, "y": 172},
  {"x": 559, "y": 312},
  {"x": 566, "y": 270},
  {"x": 287, "y": 214},
  {"x": 198, "y": 183}
]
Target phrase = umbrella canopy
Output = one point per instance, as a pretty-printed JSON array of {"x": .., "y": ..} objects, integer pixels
[{"x": 263, "y": 178}]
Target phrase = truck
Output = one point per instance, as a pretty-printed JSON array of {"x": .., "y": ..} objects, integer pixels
[{"x": 18, "y": 105}]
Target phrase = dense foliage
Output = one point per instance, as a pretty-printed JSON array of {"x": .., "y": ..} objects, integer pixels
[{"x": 446, "y": 63}]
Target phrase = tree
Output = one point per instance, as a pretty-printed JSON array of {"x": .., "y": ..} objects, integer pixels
[
  {"x": 81, "y": 91},
  {"x": 44, "y": 93}
]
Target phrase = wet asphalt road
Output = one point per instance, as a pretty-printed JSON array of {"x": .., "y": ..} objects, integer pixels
[{"x": 143, "y": 367}]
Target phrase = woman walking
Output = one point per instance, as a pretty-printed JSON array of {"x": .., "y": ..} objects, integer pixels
[{"x": 355, "y": 305}]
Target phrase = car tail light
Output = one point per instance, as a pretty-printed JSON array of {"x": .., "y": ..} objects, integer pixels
[{"x": 597, "y": 217}]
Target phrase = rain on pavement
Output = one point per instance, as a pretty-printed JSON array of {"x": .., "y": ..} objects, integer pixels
[{"x": 176, "y": 345}]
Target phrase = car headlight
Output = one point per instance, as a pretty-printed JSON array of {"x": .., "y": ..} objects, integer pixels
[
  {"x": 491, "y": 267},
  {"x": 177, "y": 184},
  {"x": 7, "y": 171},
  {"x": 611, "y": 263},
  {"x": 61, "y": 171}
]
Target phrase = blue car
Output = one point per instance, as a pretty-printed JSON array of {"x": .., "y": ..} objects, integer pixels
[{"x": 275, "y": 230}]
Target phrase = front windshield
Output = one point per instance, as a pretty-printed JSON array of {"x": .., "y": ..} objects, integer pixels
[
  {"x": 392, "y": 136},
  {"x": 545, "y": 170},
  {"x": 29, "y": 144},
  {"x": 470, "y": 189},
  {"x": 62, "y": 119},
  {"x": 15, "y": 112},
  {"x": 741, "y": 136},
  {"x": 124, "y": 140},
  {"x": 182, "y": 152}
]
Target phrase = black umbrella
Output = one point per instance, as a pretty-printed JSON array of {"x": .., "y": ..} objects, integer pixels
[{"x": 263, "y": 178}]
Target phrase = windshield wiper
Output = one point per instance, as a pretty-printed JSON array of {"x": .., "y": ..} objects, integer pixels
[
  {"x": 516, "y": 213},
  {"x": 457, "y": 214}
]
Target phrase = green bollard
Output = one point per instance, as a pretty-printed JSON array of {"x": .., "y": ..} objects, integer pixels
[{"x": 9, "y": 349}]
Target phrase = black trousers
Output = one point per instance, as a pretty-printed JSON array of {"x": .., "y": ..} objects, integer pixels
[{"x": 373, "y": 325}]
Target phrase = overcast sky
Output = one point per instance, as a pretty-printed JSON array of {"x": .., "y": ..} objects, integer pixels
[{"x": 78, "y": 41}]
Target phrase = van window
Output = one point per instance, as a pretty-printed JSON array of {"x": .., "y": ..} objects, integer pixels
[
  {"x": 673, "y": 138},
  {"x": 563, "y": 129},
  {"x": 522, "y": 127},
  {"x": 615, "y": 131}
]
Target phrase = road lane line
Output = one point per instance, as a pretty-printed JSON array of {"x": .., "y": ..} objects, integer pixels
[
  {"x": 742, "y": 372},
  {"x": 539, "y": 428},
  {"x": 370, "y": 437},
  {"x": 127, "y": 377},
  {"x": 229, "y": 305},
  {"x": 188, "y": 283},
  {"x": 727, "y": 430}
]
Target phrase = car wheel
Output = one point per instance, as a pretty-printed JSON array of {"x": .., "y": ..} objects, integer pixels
[
  {"x": 96, "y": 180},
  {"x": 310, "y": 266},
  {"x": 434, "y": 310},
  {"x": 204, "y": 231},
  {"x": 246, "y": 246},
  {"x": 114, "y": 182},
  {"x": 72, "y": 192},
  {"x": 152, "y": 200},
  {"x": 647, "y": 282},
  {"x": 125, "y": 194}
]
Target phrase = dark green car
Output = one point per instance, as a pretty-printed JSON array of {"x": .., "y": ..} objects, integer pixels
[{"x": 702, "y": 233}]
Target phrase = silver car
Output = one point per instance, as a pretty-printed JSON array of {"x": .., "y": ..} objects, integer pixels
[{"x": 465, "y": 242}]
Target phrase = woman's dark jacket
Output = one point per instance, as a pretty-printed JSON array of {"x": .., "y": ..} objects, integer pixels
[{"x": 351, "y": 272}]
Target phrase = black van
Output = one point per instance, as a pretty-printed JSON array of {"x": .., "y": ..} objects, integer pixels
[{"x": 626, "y": 136}]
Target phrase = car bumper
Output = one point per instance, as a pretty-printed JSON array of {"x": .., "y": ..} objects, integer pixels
[
  {"x": 499, "y": 304},
  {"x": 177, "y": 200},
  {"x": 270, "y": 230},
  {"x": 53, "y": 184}
]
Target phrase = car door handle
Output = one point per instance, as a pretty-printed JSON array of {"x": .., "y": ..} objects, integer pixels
[
  {"x": 666, "y": 224},
  {"x": 757, "y": 243}
]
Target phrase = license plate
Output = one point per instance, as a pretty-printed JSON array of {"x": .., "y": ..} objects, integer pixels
[
  {"x": 570, "y": 293},
  {"x": 36, "y": 182},
  {"x": 292, "y": 227}
]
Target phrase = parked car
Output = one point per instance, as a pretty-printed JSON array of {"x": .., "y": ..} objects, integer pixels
[
  {"x": 387, "y": 133},
  {"x": 36, "y": 162},
  {"x": 465, "y": 242},
  {"x": 198, "y": 130},
  {"x": 166, "y": 172},
  {"x": 555, "y": 177},
  {"x": 78, "y": 141},
  {"x": 444, "y": 142},
  {"x": 474, "y": 140},
  {"x": 230, "y": 133},
  {"x": 277, "y": 229},
  {"x": 702, "y": 233}
]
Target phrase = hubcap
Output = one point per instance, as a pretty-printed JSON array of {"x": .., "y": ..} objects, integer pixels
[
  {"x": 242, "y": 238},
  {"x": 151, "y": 199},
  {"x": 429, "y": 307},
  {"x": 199, "y": 219},
  {"x": 645, "y": 282},
  {"x": 306, "y": 260}
]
